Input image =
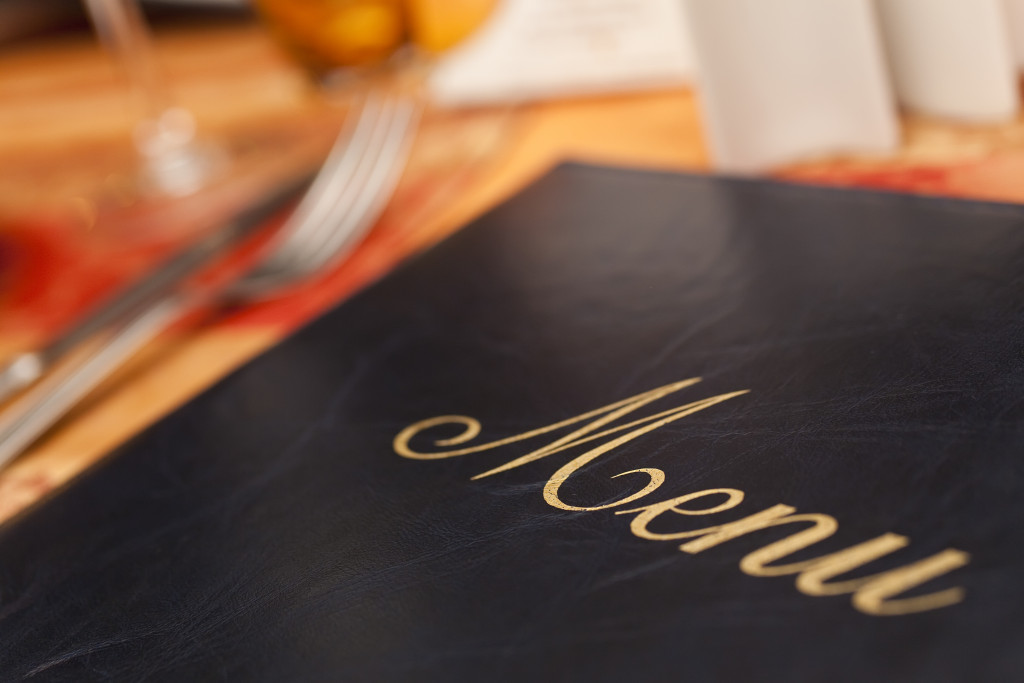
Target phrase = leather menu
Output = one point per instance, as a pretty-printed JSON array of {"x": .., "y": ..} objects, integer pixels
[{"x": 627, "y": 426}]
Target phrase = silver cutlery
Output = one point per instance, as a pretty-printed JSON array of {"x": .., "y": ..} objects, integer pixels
[
  {"x": 25, "y": 368},
  {"x": 342, "y": 203}
]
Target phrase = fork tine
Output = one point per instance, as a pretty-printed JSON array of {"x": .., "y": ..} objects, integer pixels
[
  {"x": 381, "y": 183},
  {"x": 371, "y": 163},
  {"x": 380, "y": 175},
  {"x": 338, "y": 168},
  {"x": 346, "y": 172},
  {"x": 377, "y": 159},
  {"x": 310, "y": 238}
]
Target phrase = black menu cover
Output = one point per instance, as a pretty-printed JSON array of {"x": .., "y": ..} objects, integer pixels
[{"x": 728, "y": 430}]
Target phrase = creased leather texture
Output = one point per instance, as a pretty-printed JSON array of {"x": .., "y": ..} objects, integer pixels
[{"x": 268, "y": 531}]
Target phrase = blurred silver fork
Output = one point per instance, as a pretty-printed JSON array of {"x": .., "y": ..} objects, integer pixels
[{"x": 342, "y": 204}]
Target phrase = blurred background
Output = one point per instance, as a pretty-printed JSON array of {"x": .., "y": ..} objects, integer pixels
[{"x": 129, "y": 130}]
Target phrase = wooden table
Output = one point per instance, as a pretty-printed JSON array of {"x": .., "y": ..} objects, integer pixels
[{"x": 65, "y": 123}]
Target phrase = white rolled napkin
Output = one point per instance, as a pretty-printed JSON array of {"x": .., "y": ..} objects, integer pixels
[
  {"x": 952, "y": 58},
  {"x": 784, "y": 79},
  {"x": 1015, "y": 22}
]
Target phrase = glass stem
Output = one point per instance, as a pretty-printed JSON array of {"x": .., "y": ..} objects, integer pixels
[{"x": 173, "y": 163}]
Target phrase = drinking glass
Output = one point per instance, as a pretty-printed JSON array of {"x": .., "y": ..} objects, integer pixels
[
  {"x": 173, "y": 160},
  {"x": 351, "y": 46}
]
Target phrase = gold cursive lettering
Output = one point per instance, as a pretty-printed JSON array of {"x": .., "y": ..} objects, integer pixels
[
  {"x": 871, "y": 594},
  {"x": 872, "y": 598},
  {"x": 472, "y": 428},
  {"x": 602, "y": 416},
  {"x": 753, "y": 564},
  {"x": 874, "y": 594},
  {"x": 649, "y": 513}
]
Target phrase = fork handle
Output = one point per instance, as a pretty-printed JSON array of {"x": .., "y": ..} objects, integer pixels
[
  {"x": 28, "y": 367},
  {"x": 36, "y": 411}
]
